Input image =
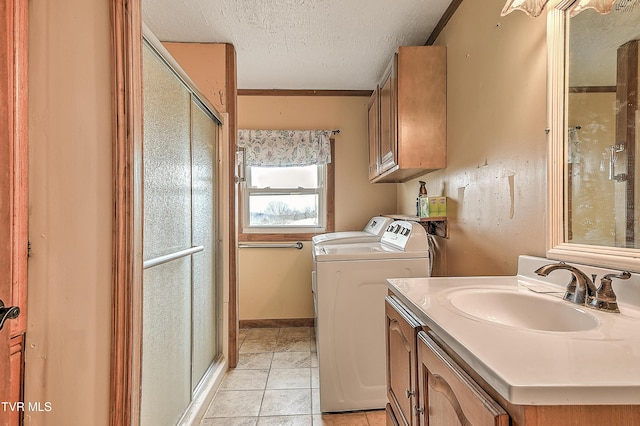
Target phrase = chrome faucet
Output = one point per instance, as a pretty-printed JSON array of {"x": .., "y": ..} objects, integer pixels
[{"x": 581, "y": 290}]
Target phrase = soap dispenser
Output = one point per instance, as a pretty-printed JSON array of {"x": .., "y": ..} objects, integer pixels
[
  {"x": 423, "y": 188},
  {"x": 423, "y": 200}
]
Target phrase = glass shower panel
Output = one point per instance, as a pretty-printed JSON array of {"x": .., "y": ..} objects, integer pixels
[
  {"x": 166, "y": 327},
  {"x": 166, "y": 343},
  {"x": 167, "y": 160},
  {"x": 204, "y": 132}
]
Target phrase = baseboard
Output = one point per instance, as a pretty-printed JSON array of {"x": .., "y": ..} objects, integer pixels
[{"x": 277, "y": 323}]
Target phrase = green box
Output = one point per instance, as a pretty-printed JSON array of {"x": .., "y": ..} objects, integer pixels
[
  {"x": 437, "y": 206},
  {"x": 442, "y": 206},
  {"x": 433, "y": 206}
]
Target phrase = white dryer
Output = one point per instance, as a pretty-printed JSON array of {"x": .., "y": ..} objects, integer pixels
[
  {"x": 349, "y": 288},
  {"x": 372, "y": 232}
]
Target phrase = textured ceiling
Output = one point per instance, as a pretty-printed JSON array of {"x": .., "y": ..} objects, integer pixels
[{"x": 300, "y": 44}]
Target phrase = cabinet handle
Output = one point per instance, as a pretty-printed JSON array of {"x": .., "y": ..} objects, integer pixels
[{"x": 409, "y": 393}]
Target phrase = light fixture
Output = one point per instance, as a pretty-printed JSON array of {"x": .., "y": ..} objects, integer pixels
[
  {"x": 534, "y": 7},
  {"x": 530, "y": 7}
]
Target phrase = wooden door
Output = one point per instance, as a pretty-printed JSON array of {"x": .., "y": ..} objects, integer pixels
[
  {"x": 13, "y": 206},
  {"x": 448, "y": 396}
]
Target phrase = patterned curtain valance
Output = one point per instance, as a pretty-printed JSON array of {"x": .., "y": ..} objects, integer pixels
[{"x": 285, "y": 148}]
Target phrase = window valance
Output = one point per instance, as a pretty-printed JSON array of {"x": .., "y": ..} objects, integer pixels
[{"x": 285, "y": 148}]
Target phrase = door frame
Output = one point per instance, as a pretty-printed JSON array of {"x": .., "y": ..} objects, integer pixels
[
  {"x": 127, "y": 113},
  {"x": 13, "y": 186},
  {"x": 126, "y": 24}
]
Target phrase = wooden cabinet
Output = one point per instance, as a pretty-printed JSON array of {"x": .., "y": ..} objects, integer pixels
[
  {"x": 387, "y": 146},
  {"x": 411, "y": 115},
  {"x": 374, "y": 134},
  {"x": 445, "y": 391},
  {"x": 424, "y": 385},
  {"x": 401, "y": 333},
  {"x": 448, "y": 395}
]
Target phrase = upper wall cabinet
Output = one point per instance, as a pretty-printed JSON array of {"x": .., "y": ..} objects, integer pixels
[
  {"x": 374, "y": 134},
  {"x": 407, "y": 116}
]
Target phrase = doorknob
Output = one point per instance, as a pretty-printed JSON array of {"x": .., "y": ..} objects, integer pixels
[{"x": 11, "y": 312}]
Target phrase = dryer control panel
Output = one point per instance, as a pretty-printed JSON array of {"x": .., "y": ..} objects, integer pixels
[
  {"x": 377, "y": 225},
  {"x": 405, "y": 235}
]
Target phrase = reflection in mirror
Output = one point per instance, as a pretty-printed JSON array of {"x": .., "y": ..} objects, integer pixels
[{"x": 601, "y": 184}]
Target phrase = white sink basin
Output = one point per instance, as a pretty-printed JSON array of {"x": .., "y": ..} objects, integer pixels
[{"x": 523, "y": 310}]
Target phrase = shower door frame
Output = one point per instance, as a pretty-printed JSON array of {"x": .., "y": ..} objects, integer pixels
[{"x": 127, "y": 118}]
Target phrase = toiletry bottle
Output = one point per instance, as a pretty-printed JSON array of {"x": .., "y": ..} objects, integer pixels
[{"x": 423, "y": 188}]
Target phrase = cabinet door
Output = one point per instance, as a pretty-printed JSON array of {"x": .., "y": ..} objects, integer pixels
[
  {"x": 374, "y": 134},
  {"x": 401, "y": 332},
  {"x": 447, "y": 395},
  {"x": 388, "y": 100}
]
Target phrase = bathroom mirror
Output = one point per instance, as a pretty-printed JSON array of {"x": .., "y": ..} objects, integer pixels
[{"x": 594, "y": 124}]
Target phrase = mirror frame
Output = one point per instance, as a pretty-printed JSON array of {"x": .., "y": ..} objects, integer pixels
[{"x": 557, "y": 81}]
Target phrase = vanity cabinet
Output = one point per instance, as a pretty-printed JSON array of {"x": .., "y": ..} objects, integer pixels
[
  {"x": 448, "y": 395},
  {"x": 402, "y": 385},
  {"x": 429, "y": 384},
  {"x": 424, "y": 385},
  {"x": 411, "y": 115}
]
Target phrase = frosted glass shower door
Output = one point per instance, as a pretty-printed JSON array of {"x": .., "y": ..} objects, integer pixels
[
  {"x": 205, "y": 295},
  {"x": 179, "y": 327}
]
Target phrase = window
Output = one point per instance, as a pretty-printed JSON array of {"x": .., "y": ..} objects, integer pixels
[
  {"x": 291, "y": 199},
  {"x": 286, "y": 203}
]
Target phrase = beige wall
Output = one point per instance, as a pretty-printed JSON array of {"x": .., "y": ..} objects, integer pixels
[
  {"x": 496, "y": 145},
  {"x": 69, "y": 307},
  {"x": 285, "y": 292}
]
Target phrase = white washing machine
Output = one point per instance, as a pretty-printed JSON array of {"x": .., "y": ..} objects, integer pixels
[
  {"x": 372, "y": 232},
  {"x": 349, "y": 288}
]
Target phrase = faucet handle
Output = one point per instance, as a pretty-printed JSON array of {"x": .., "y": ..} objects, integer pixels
[
  {"x": 624, "y": 275},
  {"x": 605, "y": 299}
]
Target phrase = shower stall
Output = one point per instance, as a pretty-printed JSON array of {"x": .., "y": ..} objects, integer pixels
[{"x": 181, "y": 320}]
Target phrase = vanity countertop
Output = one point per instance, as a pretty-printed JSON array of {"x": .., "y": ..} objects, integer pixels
[{"x": 599, "y": 366}]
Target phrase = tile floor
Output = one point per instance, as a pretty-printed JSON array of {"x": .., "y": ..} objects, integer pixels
[{"x": 276, "y": 383}]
